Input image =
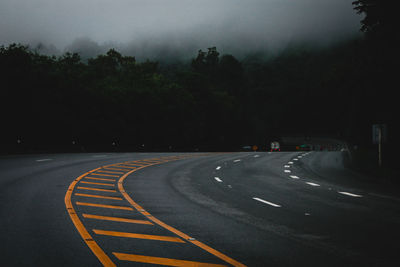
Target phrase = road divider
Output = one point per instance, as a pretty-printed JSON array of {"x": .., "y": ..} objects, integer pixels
[
  {"x": 115, "y": 219},
  {"x": 113, "y": 172},
  {"x": 103, "y": 206},
  {"x": 139, "y": 236},
  {"x": 101, "y": 179},
  {"x": 96, "y": 189},
  {"x": 161, "y": 261},
  {"x": 76, "y": 190},
  {"x": 97, "y": 196},
  {"x": 86, "y": 182},
  {"x": 102, "y": 174}
]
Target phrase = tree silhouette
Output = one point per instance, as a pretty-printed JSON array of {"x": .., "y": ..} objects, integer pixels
[{"x": 380, "y": 18}]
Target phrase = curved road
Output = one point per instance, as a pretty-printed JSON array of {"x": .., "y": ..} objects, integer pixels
[{"x": 190, "y": 209}]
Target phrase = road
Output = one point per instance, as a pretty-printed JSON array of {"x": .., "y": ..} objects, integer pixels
[{"x": 189, "y": 209}]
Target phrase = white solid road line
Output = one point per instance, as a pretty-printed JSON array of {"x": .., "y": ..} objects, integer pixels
[
  {"x": 267, "y": 202},
  {"x": 219, "y": 167},
  {"x": 312, "y": 184},
  {"x": 237, "y": 160},
  {"x": 349, "y": 194},
  {"x": 217, "y": 179},
  {"x": 39, "y": 160},
  {"x": 294, "y": 177}
]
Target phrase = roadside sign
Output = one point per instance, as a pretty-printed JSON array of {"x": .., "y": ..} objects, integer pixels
[
  {"x": 379, "y": 136},
  {"x": 379, "y": 129}
]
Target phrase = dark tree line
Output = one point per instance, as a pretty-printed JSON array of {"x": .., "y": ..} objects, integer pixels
[{"x": 214, "y": 102}]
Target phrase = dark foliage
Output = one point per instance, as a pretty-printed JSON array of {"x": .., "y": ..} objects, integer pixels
[
  {"x": 380, "y": 16},
  {"x": 113, "y": 102}
]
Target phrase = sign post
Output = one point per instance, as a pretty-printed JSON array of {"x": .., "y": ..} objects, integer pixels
[{"x": 379, "y": 135}]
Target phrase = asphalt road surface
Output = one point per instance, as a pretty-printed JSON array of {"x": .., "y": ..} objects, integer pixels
[{"x": 189, "y": 209}]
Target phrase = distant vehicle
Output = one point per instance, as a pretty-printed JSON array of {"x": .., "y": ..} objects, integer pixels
[
  {"x": 305, "y": 147},
  {"x": 275, "y": 146}
]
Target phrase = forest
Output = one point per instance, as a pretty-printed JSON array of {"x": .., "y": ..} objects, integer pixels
[{"x": 214, "y": 102}]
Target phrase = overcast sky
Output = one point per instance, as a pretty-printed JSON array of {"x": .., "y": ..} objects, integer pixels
[{"x": 231, "y": 25}]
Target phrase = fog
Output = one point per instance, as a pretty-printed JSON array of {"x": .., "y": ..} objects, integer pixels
[{"x": 154, "y": 28}]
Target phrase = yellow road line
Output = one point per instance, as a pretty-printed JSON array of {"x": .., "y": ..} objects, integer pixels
[
  {"x": 111, "y": 172},
  {"x": 129, "y": 167},
  {"x": 139, "y": 236},
  {"x": 96, "y": 189},
  {"x": 103, "y": 206},
  {"x": 94, "y": 247},
  {"x": 101, "y": 179},
  {"x": 86, "y": 182},
  {"x": 162, "y": 261},
  {"x": 153, "y": 161},
  {"x": 97, "y": 196},
  {"x": 115, "y": 169},
  {"x": 103, "y": 258},
  {"x": 102, "y": 174},
  {"x": 133, "y": 163},
  {"x": 116, "y": 219},
  {"x": 136, "y": 162}
]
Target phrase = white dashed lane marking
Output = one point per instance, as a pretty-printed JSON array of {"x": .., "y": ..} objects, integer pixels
[
  {"x": 217, "y": 179},
  {"x": 40, "y": 160},
  {"x": 267, "y": 202},
  {"x": 349, "y": 194},
  {"x": 312, "y": 184}
]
